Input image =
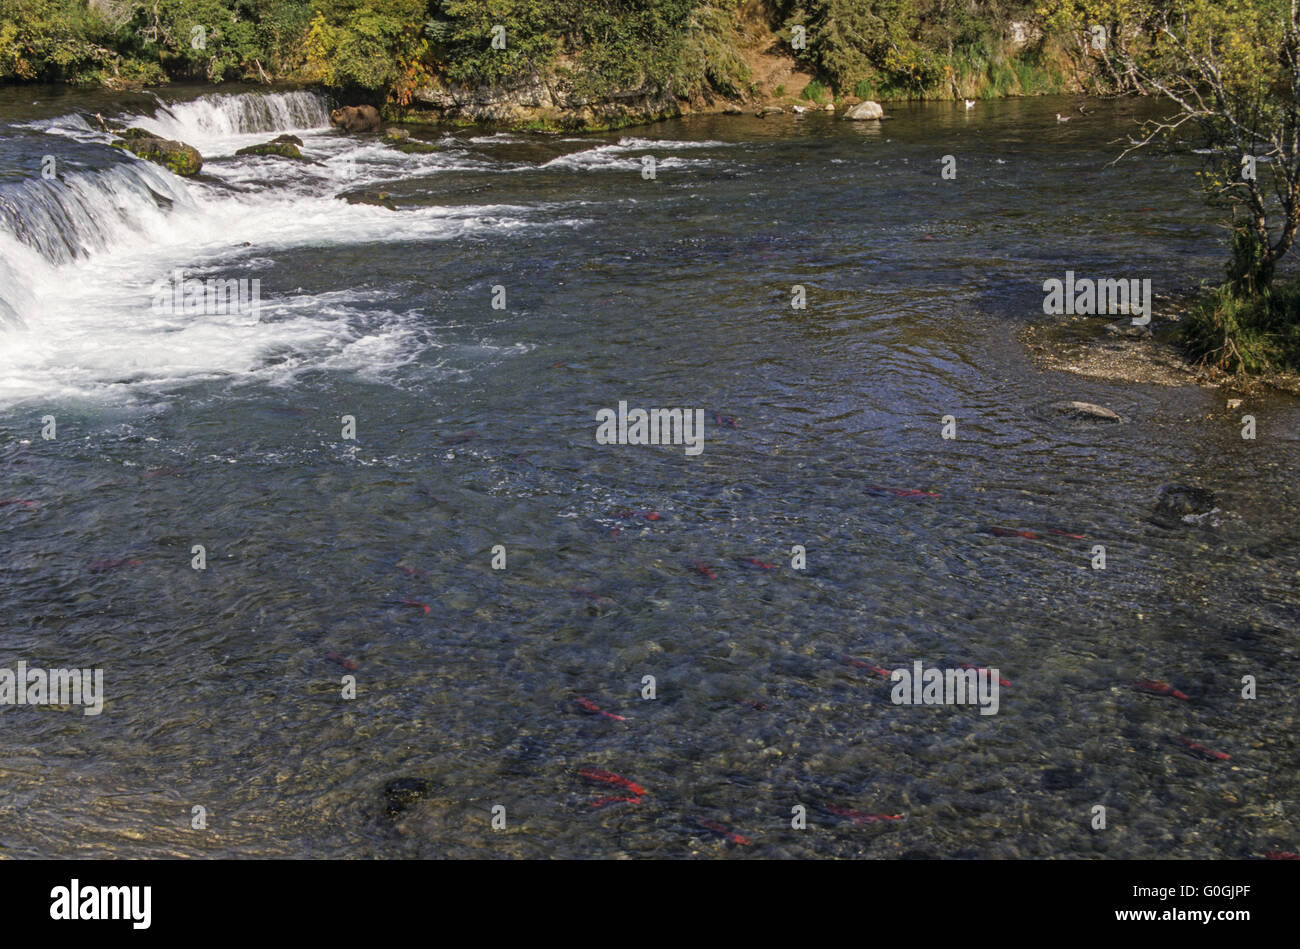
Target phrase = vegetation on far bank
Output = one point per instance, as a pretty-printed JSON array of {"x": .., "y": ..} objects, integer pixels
[{"x": 388, "y": 49}]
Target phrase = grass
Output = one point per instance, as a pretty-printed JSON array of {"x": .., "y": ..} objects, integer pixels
[
  {"x": 815, "y": 91},
  {"x": 1249, "y": 334}
]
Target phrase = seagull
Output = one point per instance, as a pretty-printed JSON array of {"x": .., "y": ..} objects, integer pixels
[
  {"x": 1061, "y": 118},
  {"x": 800, "y": 108},
  {"x": 970, "y": 104}
]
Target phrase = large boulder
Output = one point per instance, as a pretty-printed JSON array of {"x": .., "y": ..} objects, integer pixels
[
  {"x": 356, "y": 118},
  {"x": 865, "y": 110},
  {"x": 282, "y": 146},
  {"x": 177, "y": 157}
]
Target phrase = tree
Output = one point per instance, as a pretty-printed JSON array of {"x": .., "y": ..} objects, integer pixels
[{"x": 1232, "y": 68}]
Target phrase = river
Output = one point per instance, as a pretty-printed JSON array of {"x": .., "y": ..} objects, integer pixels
[{"x": 371, "y": 559}]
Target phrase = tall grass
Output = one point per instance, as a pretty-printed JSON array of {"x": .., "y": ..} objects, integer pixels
[{"x": 1244, "y": 333}]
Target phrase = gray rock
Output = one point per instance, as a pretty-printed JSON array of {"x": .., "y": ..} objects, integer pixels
[
  {"x": 865, "y": 110},
  {"x": 1084, "y": 412}
]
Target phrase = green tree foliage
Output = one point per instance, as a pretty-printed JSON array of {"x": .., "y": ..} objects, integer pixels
[
  {"x": 598, "y": 47},
  {"x": 49, "y": 39},
  {"x": 914, "y": 46},
  {"x": 371, "y": 44}
]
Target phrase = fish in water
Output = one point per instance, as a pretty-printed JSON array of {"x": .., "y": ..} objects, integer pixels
[
  {"x": 345, "y": 663},
  {"x": 860, "y": 664},
  {"x": 601, "y": 776},
  {"x": 721, "y": 830},
  {"x": 1008, "y": 532},
  {"x": 759, "y": 706},
  {"x": 1281, "y": 855},
  {"x": 417, "y": 604},
  {"x": 589, "y": 706},
  {"x": 626, "y": 513},
  {"x": 729, "y": 421},
  {"x": 1154, "y": 687},
  {"x": 755, "y": 562},
  {"x": 1001, "y": 681},
  {"x": 862, "y": 817},
  {"x": 605, "y": 801},
  {"x": 460, "y": 438},
  {"x": 703, "y": 569},
  {"x": 19, "y": 502},
  {"x": 902, "y": 492},
  {"x": 1201, "y": 750},
  {"x": 1064, "y": 533},
  {"x": 412, "y": 571},
  {"x": 100, "y": 566},
  {"x": 161, "y": 472}
]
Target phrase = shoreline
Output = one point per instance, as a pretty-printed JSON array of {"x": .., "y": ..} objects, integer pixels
[{"x": 1098, "y": 347}]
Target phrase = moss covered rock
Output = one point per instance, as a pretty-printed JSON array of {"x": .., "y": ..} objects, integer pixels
[
  {"x": 282, "y": 146},
  {"x": 176, "y": 157}
]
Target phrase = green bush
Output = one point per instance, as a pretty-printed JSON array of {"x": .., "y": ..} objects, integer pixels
[{"x": 1245, "y": 333}]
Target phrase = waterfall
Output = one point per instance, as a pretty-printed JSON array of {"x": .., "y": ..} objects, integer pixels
[{"x": 214, "y": 118}]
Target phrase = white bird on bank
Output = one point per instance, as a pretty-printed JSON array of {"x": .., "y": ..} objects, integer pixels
[
  {"x": 800, "y": 108},
  {"x": 970, "y": 104},
  {"x": 1061, "y": 118}
]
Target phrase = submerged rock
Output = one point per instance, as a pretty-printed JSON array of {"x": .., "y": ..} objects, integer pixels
[
  {"x": 401, "y": 793},
  {"x": 865, "y": 110},
  {"x": 1177, "y": 502},
  {"x": 396, "y": 136},
  {"x": 177, "y": 157},
  {"x": 1084, "y": 412}
]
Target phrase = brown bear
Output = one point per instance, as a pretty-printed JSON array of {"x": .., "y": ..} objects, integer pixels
[{"x": 356, "y": 118}]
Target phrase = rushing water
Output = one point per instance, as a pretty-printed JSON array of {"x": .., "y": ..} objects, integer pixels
[{"x": 475, "y": 427}]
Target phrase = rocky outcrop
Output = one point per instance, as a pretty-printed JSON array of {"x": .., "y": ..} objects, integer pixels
[
  {"x": 356, "y": 118},
  {"x": 542, "y": 104},
  {"x": 865, "y": 110},
  {"x": 282, "y": 146},
  {"x": 176, "y": 157}
]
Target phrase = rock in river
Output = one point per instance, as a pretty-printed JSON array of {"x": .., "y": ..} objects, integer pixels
[
  {"x": 865, "y": 110},
  {"x": 178, "y": 157},
  {"x": 1178, "y": 501},
  {"x": 1084, "y": 412},
  {"x": 282, "y": 146},
  {"x": 401, "y": 793}
]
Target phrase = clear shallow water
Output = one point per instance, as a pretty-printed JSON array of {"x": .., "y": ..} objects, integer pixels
[{"x": 225, "y": 431}]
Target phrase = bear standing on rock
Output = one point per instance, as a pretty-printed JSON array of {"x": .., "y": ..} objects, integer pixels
[{"x": 356, "y": 118}]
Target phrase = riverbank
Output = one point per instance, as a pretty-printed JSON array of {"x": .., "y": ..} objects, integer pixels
[
  {"x": 562, "y": 67},
  {"x": 1116, "y": 351}
]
